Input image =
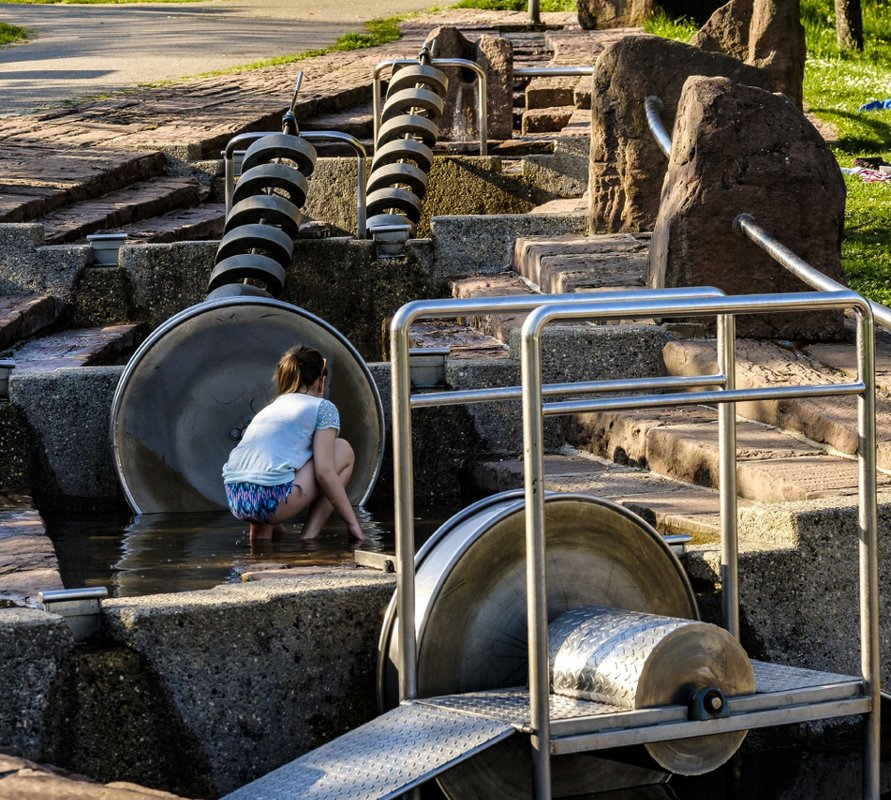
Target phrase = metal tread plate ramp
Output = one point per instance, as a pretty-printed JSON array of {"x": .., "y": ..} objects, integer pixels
[
  {"x": 420, "y": 739},
  {"x": 383, "y": 758}
]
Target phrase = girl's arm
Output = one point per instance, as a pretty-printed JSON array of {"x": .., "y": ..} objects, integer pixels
[{"x": 329, "y": 480}]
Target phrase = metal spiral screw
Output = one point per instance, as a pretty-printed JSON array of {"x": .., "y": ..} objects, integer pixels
[
  {"x": 404, "y": 148},
  {"x": 258, "y": 239}
]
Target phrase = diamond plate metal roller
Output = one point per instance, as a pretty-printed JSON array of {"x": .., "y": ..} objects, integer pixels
[{"x": 634, "y": 660}]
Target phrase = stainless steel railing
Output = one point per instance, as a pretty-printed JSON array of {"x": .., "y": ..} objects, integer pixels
[
  {"x": 718, "y": 389},
  {"x": 745, "y": 224}
]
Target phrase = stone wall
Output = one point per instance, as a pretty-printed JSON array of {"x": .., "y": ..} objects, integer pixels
[{"x": 197, "y": 692}]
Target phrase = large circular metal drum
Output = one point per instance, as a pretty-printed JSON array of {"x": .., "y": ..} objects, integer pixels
[
  {"x": 471, "y": 619},
  {"x": 194, "y": 384}
]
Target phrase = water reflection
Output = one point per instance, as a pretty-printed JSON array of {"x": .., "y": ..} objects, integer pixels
[{"x": 158, "y": 553}]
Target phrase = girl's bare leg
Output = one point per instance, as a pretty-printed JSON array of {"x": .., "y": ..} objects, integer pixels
[
  {"x": 260, "y": 531},
  {"x": 321, "y": 508}
]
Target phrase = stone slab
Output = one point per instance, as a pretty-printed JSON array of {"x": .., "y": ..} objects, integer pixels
[
  {"x": 671, "y": 506},
  {"x": 581, "y": 273},
  {"x": 550, "y": 92},
  {"x": 135, "y": 202},
  {"x": 21, "y": 779},
  {"x": 832, "y": 420},
  {"x": 203, "y": 222},
  {"x": 545, "y": 120},
  {"x": 23, "y": 315},
  {"x": 528, "y": 252},
  {"x": 501, "y": 285},
  {"x": 80, "y": 347}
]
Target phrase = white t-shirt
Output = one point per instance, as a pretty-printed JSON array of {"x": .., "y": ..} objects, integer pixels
[{"x": 278, "y": 441}]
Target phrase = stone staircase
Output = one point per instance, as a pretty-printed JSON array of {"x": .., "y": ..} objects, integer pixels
[{"x": 664, "y": 463}]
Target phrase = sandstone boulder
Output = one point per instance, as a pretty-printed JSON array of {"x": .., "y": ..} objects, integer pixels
[
  {"x": 596, "y": 14},
  {"x": 764, "y": 33},
  {"x": 738, "y": 149},
  {"x": 495, "y": 55},
  {"x": 626, "y": 165}
]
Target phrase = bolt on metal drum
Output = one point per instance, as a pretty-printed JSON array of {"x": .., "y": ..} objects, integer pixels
[{"x": 471, "y": 630}]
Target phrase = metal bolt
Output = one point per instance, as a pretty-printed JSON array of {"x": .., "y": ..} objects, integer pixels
[
  {"x": 715, "y": 703},
  {"x": 235, "y": 434}
]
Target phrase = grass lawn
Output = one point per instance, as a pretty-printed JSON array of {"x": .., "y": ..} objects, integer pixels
[{"x": 12, "y": 33}]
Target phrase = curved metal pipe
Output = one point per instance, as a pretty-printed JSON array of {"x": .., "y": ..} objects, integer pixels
[{"x": 653, "y": 106}]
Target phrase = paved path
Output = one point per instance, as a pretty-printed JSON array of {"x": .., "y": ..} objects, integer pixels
[{"x": 92, "y": 49}]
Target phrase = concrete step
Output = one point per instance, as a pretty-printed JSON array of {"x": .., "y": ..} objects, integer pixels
[
  {"x": 39, "y": 178},
  {"x": 670, "y": 506},
  {"x": 28, "y": 562},
  {"x": 579, "y": 123},
  {"x": 504, "y": 283},
  {"x": 358, "y": 122},
  {"x": 583, "y": 263},
  {"x": 81, "y": 347},
  {"x": 463, "y": 341},
  {"x": 203, "y": 222},
  {"x": 682, "y": 444},
  {"x": 22, "y": 315},
  {"x": 830, "y": 421},
  {"x": 136, "y": 202}
]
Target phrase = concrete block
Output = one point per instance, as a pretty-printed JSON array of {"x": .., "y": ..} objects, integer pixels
[
  {"x": 563, "y": 173},
  {"x": 27, "y": 266},
  {"x": 67, "y": 412},
  {"x": 262, "y": 672},
  {"x": 166, "y": 278},
  {"x": 471, "y": 245},
  {"x": 34, "y": 645}
]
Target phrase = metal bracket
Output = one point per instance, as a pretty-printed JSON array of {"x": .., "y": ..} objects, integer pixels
[
  {"x": 80, "y": 607},
  {"x": 381, "y": 561}
]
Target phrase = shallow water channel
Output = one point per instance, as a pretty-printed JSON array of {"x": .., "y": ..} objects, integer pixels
[
  {"x": 162, "y": 553},
  {"x": 159, "y": 553}
]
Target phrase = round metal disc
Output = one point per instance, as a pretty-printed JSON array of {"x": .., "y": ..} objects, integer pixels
[
  {"x": 198, "y": 379},
  {"x": 382, "y": 201},
  {"x": 408, "y": 99},
  {"x": 266, "y": 209},
  {"x": 408, "y": 125},
  {"x": 402, "y": 150},
  {"x": 277, "y": 179},
  {"x": 249, "y": 238},
  {"x": 281, "y": 146},
  {"x": 398, "y": 174},
  {"x": 418, "y": 75},
  {"x": 471, "y": 614},
  {"x": 248, "y": 265}
]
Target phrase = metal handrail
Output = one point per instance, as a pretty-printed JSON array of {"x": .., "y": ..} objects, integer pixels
[
  {"x": 643, "y": 304},
  {"x": 482, "y": 92},
  {"x": 555, "y": 71},
  {"x": 317, "y": 136},
  {"x": 653, "y": 106},
  {"x": 745, "y": 224}
]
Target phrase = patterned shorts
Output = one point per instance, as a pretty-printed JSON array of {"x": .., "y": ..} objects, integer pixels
[{"x": 254, "y": 503}]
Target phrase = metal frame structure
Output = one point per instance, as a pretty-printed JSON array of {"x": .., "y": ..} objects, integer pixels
[
  {"x": 311, "y": 136},
  {"x": 822, "y": 695},
  {"x": 482, "y": 119}
]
